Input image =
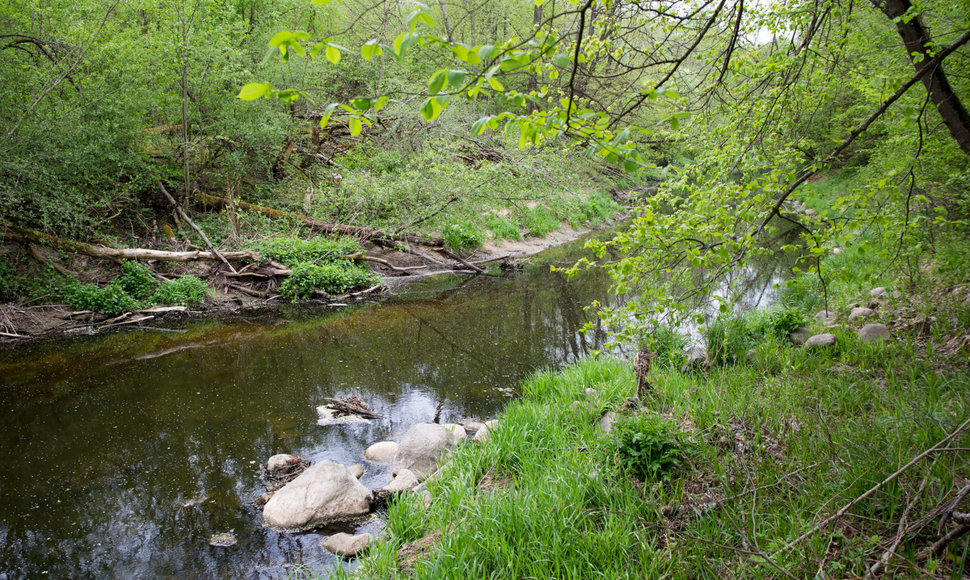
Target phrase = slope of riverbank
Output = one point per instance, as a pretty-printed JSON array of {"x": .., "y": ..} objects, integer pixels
[{"x": 838, "y": 460}]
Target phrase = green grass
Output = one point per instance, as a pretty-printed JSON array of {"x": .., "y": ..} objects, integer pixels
[{"x": 772, "y": 445}]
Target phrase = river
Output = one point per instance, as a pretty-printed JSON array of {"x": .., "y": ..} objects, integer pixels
[{"x": 122, "y": 453}]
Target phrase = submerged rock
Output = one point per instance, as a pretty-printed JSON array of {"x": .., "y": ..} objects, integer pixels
[
  {"x": 423, "y": 446},
  {"x": 382, "y": 452},
  {"x": 223, "y": 540},
  {"x": 347, "y": 545},
  {"x": 820, "y": 340},
  {"x": 873, "y": 333},
  {"x": 323, "y": 494},
  {"x": 328, "y": 416}
]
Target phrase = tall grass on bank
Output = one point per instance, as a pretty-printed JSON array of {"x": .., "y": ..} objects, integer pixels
[{"x": 773, "y": 445}]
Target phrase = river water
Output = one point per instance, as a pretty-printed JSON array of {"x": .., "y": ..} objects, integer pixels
[{"x": 121, "y": 454}]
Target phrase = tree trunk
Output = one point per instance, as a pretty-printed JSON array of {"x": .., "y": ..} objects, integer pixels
[{"x": 916, "y": 38}]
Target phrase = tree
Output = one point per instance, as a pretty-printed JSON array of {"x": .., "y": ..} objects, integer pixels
[{"x": 765, "y": 87}]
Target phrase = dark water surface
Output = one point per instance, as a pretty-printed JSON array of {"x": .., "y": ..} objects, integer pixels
[{"x": 121, "y": 454}]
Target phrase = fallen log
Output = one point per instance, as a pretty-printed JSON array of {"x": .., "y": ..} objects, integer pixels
[
  {"x": 217, "y": 202},
  {"x": 20, "y": 234}
]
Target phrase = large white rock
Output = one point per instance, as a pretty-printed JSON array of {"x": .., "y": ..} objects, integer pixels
[
  {"x": 382, "y": 452},
  {"x": 346, "y": 545},
  {"x": 323, "y": 494},
  {"x": 422, "y": 447}
]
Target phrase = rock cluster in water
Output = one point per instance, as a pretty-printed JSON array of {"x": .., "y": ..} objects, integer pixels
[{"x": 328, "y": 493}]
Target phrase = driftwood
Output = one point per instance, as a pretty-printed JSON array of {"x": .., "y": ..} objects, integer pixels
[
  {"x": 351, "y": 406},
  {"x": 319, "y": 225}
]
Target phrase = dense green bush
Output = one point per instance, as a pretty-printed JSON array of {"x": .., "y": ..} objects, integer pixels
[
  {"x": 182, "y": 291},
  {"x": 320, "y": 250},
  {"x": 668, "y": 345},
  {"x": 329, "y": 278},
  {"x": 111, "y": 300},
  {"x": 461, "y": 236},
  {"x": 137, "y": 281},
  {"x": 647, "y": 447},
  {"x": 780, "y": 322}
]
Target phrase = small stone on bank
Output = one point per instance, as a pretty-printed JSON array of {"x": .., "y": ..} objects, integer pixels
[
  {"x": 820, "y": 340},
  {"x": 827, "y": 316},
  {"x": 861, "y": 312},
  {"x": 873, "y": 333},
  {"x": 347, "y": 545},
  {"x": 797, "y": 337},
  {"x": 877, "y": 292}
]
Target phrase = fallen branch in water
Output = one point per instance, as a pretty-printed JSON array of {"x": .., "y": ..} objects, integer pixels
[{"x": 351, "y": 406}]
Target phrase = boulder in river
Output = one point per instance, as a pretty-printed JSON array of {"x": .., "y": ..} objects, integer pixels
[
  {"x": 381, "y": 452},
  {"x": 282, "y": 461},
  {"x": 323, "y": 494},
  {"x": 422, "y": 447},
  {"x": 347, "y": 545},
  {"x": 873, "y": 333}
]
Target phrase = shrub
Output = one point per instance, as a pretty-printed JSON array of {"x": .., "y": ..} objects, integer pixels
[
  {"x": 729, "y": 339},
  {"x": 668, "y": 346},
  {"x": 329, "y": 278},
  {"x": 647, "y": 447},
  {"x": 780, "y": 322},
  {"x": 182, "y": 291},
  {"x": 461, "y": 236},
  {"x": 111, "y": 300},
  {"x": 137, "y": 281}
]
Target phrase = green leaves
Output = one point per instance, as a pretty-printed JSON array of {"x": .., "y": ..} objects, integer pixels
[
  {"x": 333, "y": 54},
  {"x": 370, "y": 49},
  {"x": 253, "y": 91},
  {"x": 431, "y": 109}
]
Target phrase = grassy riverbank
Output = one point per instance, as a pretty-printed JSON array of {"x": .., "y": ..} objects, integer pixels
[{"x": 730, "y": 472}]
